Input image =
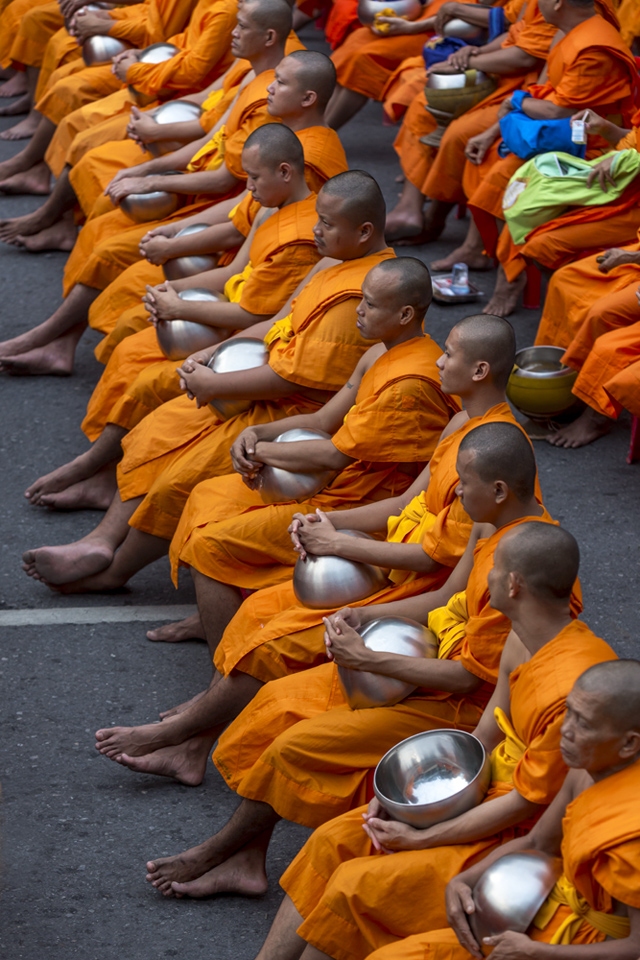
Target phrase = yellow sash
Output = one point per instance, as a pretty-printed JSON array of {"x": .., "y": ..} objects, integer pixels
[
  {"x": 234, "y": 286},
  {"x": 564, "y": 893},
  {"x": 281, "y": 330},
  {"x": 213, "y": 99},
  {"x": 449, "y": 623},
  {"x": 506, "y": 755},
  {"x": 213, "y": 147},
  {"x": 414, "y": 521}
]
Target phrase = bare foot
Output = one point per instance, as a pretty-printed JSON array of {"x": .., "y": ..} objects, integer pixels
[
  {"x": 588, "y": 427},
  {"x": 61, "y": 236},
  {"x": 135, "y": 741},
  {"x": 69, "y": 474},
  {"x": 13, "y": 179},
  {"x": 189, "y": 629},
  {"x": 15, "y": 86},
  {"x": 68, "y": 563},
  {"x": 474, "y": 260},
  {"x": 26, "y": 128},
  {"x": 23, "y": 105},
  {"x": 184, "y": 867},
  {"x": 505, "y": 296},
  {"x": 181, "y": 706},
  {"x": 241, "y": 875},
  {"x": 403, "y": 223},
  {"x": 53, "y": 360},
  {"x": 96, "y": 493},
  {"x": 185, "y": 762}
]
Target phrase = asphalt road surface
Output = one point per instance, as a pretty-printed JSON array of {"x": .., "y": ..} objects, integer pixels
[{"x": 76, "y": 828}]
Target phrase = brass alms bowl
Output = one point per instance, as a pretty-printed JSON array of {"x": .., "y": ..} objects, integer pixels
[
  {"x": 540, "y": 385},
  {"x": 330, "y": 582},
  {"x": 179, "y": 268},
  {"x": 178, "y": 339},
  {"x": 241, "y": 353}
]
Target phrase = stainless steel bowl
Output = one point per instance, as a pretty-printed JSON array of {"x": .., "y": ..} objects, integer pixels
[
  {"x": 144, "y": 207},
  {"x": 174, "y": 111},
  {"x": 178, "y": 339},
  {"x": 452, "y": 81},
  {"x": 390, "y": 635},
  {"x": 540, "y": 384},
  {"x": 233, "y": 356},
  {"x": 181, "y": 267},
  {"x": 99, "y": 50},
  {"x": 367, "y": 9},
  {"x": 432, "y": 776},
  {"x": 332, "y": 582},
  {"x": 278, "y": 485},
  {"x": 156, "y": 53},
  {"x": 462, "y": 30},
  {"x": 510, "y": 892}
]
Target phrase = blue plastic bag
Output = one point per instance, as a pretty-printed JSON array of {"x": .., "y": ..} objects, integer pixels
[{"x": 527, "y": 137}]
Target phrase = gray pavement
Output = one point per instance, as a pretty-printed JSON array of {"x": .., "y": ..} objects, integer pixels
[{"x": 76, "y": 829}]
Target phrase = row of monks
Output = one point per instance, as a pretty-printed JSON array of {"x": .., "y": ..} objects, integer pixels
[{"x": 416, "y": 441}]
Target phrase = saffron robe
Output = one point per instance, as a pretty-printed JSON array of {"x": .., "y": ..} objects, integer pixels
[
  {"x": 300, "y": 748},
  {"x": 355, "y": 900},
  {"x": 178, "y": 445}
]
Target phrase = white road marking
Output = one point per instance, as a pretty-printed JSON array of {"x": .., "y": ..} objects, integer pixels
[{"x": 53, "y": 616}]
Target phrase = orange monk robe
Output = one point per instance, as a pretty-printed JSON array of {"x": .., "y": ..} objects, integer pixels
[
  {"x": 340, "y": 884},
  {"x": 365, "y": 61},
  {"x": 138, "y": 377},
  {"x": 109, "y": 244},
  {"x": 273, "y": 634},
  {"x": 601, "y": 828},
  {"x": 300, "y": 748},
  {"x": 204, "y": 55},
  {"x": 177, "y": 445},
  {"x": 227, "y": 531},
  {"x": 618, "y": 353},
  {"x": 589, "y": 68},
  {"x": 32, "y": 25},
  {"x": 629, "y": 17}
]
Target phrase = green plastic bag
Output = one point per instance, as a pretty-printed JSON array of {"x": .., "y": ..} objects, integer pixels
[{"x": 547, "y": 185}]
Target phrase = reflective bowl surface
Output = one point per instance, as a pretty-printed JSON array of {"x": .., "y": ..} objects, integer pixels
[
  {"x": 234, "y": 355},
  {"x": 178, "y": 339},
  {"x": 510, "y": 892},
  {"x": 540, "y": 385},
  {"x": 462, "y": 30},
  {"x": 333, "y": 582},
  {"x": 100, "y": 50},
  {"x": 432, "y": 776},
  {"x": 143, "y": 207},
  {"x": 181, "y": 267},
  {"x": 367, "y": 9},
  {"x": 452, "y": 81},
  {"x": 278, "y": 485},
  {"x": 391, "y": 635},
  {"x": 173, "y": 111},
  {"x": 156, "y": 53}
]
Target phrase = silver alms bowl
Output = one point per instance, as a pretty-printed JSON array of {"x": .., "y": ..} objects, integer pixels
[
  {"x": 173, "y": 111},
  {"x": 278, "y": 485},
  {"x": 367, "y": 9},
  {"x": 332, "y": 582},
  {"x": 100, "y": 50},
  {"x": 156, "y": 53},
  {"x": 178, "y": 339},
  {"x": 241, "y": 353},
  {"x": 179, "y": 268}
]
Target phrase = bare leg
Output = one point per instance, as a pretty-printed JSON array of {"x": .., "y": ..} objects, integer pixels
[
  {"x": 312, "y": 953},
  {"x": 29, "y": 157},
  {"x": 61, "y": 200},
  {"x": 217, "y": 604},
  {"x": 93, "y": 553},
  {"x": 505, "y": 296},
  {"x": 589, "y": 426},
  {"x": 406, "y": 218},
  {"x": 15, "y": 84},
  {"x": 16, "y": 109},
  {"x": 344, "y": 105},
  {"x": 105, "y": 451},
  {"x": 72, "y": 312},
  {"x": 252, "y": 821},
  {"x": 188, "y": 629},
  {"x": 56, "y": 359},
  {"x": 28, "y": 126},
  {"x": 174, "y": 711},
  {"x": 471, "y": 252},
  {"x": 283, "y": 943}
]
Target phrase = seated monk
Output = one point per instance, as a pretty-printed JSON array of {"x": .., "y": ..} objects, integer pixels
[
  {"x": 204, "y": 54},
  {"x": 594, "y": 908},
  {"x": 298, "y": 751},
  {"x": 273, "y": 634},
  {"x": 590, "y": 67},
  {"x": 514, "y": 59},
  {"x": 180, "y": 443},
  {"x": 261, "y": 31},
  {"x": 338, "y": 886}
]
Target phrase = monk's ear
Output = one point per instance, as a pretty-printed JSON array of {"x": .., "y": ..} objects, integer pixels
[
  {"x": 501, "y": 491},
  {"x": 286, "y": 171},
  {"x": 481, "y": 371},
  {"x": 271, "y": 37},
  {"x": 309, "y": 99},
  {"x": 366, "y": 231},
  {"x": 631, "y": 745},
  {"x": 407, "y": 315}
]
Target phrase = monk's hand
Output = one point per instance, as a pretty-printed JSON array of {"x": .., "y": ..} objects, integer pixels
[
  {"x": 460, "y": 905},
  {"x": 122, "y": 62},
  {"x": 242, "y": 452},
  {"x": 602, "y": 173},
  {"x": 393, "y": 26},
  {"x": 318, "y": 536},
  {"x": 448, "y": 11},
  {"x": 89, "y": 23},
  {"x": 118, "y": 189},
  {"x": 505, "y": 107},
  {"x": 69, "y": 7},
  {"x": 156, "y": 250},
  {"x": 164, "y": 302},
  {"x": 390, "y": 836},
  {"x": 461, "y": 58},
  {"x": 477, "y": 147},
  {"x": 344, "y": 645},
  {"x": 197, "y": 383},
  {"x": 615, "y": 258},
  {"x": 293, "y": 529},
  {"x": 142, "y": 127},
  {"x": 512, "y": 946}
]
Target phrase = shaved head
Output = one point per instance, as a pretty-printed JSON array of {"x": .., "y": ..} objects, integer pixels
[
  {"x": 546, "y": 557},
  {"x": 617, "y": 684},
  {"x": 362, "y": 200},
  {"x": 501, "y": 451},
  {"x": 277, "y": 144},
  {"x": 409, "y": 283},
  {"x": 273, "y": 15},
  {"x": 492, "y": 339},
  {"x": 316, "y": 72}
]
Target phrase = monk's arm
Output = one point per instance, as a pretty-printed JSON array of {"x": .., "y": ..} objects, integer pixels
[
  {"x": 399, "y": 556},
  {"x": 205, "y": 181},
  {"x": 259, "y": 383},
  {"x": 157, "y": 247},
  {"x": 506, "y": 60},
  {"x": 545, "y": 109}
]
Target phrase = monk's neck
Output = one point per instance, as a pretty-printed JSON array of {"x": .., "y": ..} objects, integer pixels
[
  {"x": 515, "y": 510},
  {"x": 304, "y": 122},
  {"x": 404, "y": 337},
  {"x": 538, "y": 624},
  {"x": 481, "y": 400},
  {"x": 267, "y": 60},
  {"x": 376, "y": 245},
  {"x": 301, "y": 192},
  {"x": 574, "y": 18},
  {"x": 609, "y": 772}
]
